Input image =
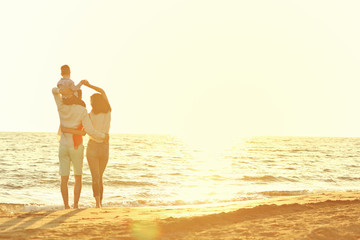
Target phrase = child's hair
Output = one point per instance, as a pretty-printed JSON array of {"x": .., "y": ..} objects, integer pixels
[
  {"x": 99, "y": 104},
  {"x": 65, "y": 70}
]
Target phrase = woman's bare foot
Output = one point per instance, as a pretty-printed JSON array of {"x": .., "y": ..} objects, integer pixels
[{"x": 67, "y": 207}]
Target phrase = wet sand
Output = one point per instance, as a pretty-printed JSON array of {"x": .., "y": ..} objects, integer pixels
[{"x": 316, "y": 216}]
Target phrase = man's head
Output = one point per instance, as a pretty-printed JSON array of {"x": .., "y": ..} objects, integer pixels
[{"x": 65, "y": 71}]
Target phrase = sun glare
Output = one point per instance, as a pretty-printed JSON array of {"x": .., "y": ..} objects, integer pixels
[
  {"x": 144, "y": 230},
  {"x": 210, "y": 165}
]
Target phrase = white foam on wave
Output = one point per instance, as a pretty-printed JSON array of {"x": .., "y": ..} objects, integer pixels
[
  {"x": 10, "y": 207},
  {"x": 37, "y": 208}
]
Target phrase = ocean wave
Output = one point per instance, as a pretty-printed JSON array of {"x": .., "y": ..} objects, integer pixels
[
  {"x": 176, "y": 174},
  {"x": 13, "y": 186},
  {"x": 283, "y": 193},
  {"x": 217, "y": 178},
  {"x": 11, "y": 207},
  {"x": 349, "y": 178},
  {"x": 128, "y": 183},
  {"x": 266, "y": 178},
  {"x": 148, "y": 175},
  {"x": 290, "y": 168},
  {"x": 173, "y": 203},
  {"x": 141, "y": 201}
]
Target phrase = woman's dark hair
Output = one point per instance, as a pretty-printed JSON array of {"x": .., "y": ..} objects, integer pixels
[{"x": 99, "y": 104}]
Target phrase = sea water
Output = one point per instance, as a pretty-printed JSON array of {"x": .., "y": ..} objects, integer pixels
[{"x": 164, "y": 170}]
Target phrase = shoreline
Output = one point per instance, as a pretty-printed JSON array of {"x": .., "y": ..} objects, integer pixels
[{"x": 332, "y": 215}]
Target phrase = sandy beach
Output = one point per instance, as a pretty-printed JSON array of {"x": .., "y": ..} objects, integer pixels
[{"x": 316, "y": 216}]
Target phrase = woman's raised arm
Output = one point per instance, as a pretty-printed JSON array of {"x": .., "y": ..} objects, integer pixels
[{"x": 100, "y": 90}]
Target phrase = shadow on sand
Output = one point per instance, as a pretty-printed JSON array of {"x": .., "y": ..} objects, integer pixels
[{"x": 23, "y": 222}]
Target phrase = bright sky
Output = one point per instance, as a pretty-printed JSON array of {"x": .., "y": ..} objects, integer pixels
[{"x": 196, "y": 67}]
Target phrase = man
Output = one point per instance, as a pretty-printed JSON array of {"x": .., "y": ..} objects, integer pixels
[{"x": 70, "y": 150}]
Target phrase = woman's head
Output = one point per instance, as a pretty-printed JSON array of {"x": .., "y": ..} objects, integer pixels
[{"x": 99, "y": 104}]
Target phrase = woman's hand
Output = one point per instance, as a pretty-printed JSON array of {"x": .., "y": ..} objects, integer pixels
[{"x": 85, "y": 82}]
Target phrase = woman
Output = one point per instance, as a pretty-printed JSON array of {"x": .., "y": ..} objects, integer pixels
[{"x": 97, "y": 152}]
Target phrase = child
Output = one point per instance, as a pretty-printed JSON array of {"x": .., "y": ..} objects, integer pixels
[{"x": 66, "y": 82}]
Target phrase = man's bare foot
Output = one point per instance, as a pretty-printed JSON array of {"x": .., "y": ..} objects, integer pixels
[
  {"x": 98, "y": 202},
  {"x": 67, "y": 207},
  {"x": 76, "y": 206}
]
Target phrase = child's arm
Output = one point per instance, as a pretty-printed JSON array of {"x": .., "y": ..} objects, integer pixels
[{"x": 72, "y": 131}]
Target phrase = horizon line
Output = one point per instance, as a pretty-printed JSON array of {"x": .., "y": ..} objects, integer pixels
[{"x": 177, "y": 134}]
